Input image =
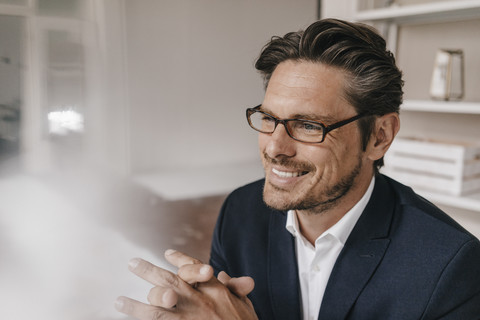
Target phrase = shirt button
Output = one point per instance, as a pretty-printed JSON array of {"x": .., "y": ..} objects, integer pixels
[{"x": 316, "y": 268}]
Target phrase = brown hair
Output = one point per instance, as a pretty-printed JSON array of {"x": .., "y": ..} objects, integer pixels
[{"x": 374, "y": 83}]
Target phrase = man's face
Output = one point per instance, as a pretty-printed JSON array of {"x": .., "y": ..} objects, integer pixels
[{"x": 306, "y": 176}]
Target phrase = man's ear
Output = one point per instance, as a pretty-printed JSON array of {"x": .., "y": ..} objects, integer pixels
[{"x": 385, "y": 130}]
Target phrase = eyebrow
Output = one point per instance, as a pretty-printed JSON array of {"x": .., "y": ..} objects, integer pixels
[
  {"x": 313, "y": 117},
  {"x": 303, "y": 116}
]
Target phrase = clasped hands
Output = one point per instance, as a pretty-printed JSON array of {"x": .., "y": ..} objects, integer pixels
[{"x": 192, "y": 293}]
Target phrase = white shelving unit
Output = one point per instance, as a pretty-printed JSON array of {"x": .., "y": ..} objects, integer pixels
[
  {"x": 468, "y": 202},
  {"x": 432, "y": 12}
]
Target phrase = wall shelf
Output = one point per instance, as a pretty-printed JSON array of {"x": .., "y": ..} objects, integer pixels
[
  {"x": 469, "y": 202},
  {"x": 427, "y": 13},
  {"x": 423, "y": 13},
  {"x": 457, "y": 107}
]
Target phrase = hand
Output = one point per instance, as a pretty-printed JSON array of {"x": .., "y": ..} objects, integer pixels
[
  {"x": 173, "y": 297},
  {"x": 192, "y": 271}
]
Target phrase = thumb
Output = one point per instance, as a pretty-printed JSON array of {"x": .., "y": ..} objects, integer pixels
[{"x": 241, "y": 286}]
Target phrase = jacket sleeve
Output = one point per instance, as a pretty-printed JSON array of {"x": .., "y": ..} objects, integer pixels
[
  {"x": 217, "y": 256},
  {"x": 457, "y": 294}
]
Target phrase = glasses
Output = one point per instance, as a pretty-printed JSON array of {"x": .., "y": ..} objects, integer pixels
[{"x": 298, "y": 129}]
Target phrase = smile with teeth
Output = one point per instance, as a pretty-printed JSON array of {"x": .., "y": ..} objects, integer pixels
[{"x": 288, "y": 174}]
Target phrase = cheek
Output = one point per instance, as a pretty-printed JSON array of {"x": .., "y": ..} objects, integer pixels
[
  {"x": 261, "y": 142},
  {"x": 264, "y": 141},
  {"x": 346, "y": 146},
  {"x": 320, "y": 157},
  {"x": 330, "y": 162}
]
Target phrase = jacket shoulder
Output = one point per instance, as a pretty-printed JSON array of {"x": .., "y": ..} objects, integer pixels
[
  {"x": 244, "y": 206},
  {"x": 424, "y": 210},
  {"x": 252, "y": 190}
]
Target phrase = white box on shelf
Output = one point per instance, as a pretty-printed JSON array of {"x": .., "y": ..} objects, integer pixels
[{"x": 446, "y": 167}]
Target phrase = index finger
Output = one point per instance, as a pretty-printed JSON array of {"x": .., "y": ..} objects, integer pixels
[
  {"x": 153, "y": 274},
  {"x": 142, "y": 311},
  {"x": 179, "y": 259}
]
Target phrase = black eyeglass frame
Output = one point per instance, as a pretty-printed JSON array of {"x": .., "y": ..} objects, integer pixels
[{"x": 325, "y": 129}]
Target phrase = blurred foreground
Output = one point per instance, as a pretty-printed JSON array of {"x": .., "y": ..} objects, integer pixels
[{"x": 66, "y": 238}]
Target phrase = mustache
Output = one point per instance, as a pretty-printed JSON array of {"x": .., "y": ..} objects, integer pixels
[{"x": 289, "y": 163}]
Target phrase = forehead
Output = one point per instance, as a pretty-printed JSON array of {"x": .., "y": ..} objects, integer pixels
[{"x": 297, "y": 87}]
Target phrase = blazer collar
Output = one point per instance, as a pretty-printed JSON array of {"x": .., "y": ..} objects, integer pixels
[
  {"x": 363, "y": 251},
  {"x": 282, "y": 269}
]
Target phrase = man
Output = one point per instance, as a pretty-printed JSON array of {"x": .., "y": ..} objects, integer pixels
[{"x": 324, "y": 235}]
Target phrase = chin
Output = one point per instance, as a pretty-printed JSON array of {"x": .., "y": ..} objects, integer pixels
[
  {"x": 284, "y": 200},
  {"x": 276, "y": 198},
  {"x": 313, "y": 200}
]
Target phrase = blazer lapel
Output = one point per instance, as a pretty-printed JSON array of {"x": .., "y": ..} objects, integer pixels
[
  {"x": 282, "y": 270},
  {"x": 361, "y": 254}
]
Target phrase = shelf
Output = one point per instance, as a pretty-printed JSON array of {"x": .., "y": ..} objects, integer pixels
[
  {"x": 470, "y": 202},
  {"x": 458, "y": 107},
  {"x": 422, "y": 13}
]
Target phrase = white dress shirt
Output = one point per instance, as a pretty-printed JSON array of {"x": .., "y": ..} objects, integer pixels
[{"x": 315, "y": 264}]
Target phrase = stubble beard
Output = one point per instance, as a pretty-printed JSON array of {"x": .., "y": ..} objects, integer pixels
[{"x": 314, "y": 203}]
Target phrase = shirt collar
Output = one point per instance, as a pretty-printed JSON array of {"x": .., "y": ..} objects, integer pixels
[{"x": 342, "y": 229}]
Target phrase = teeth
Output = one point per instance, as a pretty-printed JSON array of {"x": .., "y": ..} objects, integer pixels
[{"x": 284, "y": 174}]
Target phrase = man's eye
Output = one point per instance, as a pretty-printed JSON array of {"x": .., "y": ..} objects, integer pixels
[
  {"x": 267, "y": 119},
  {"x": 308, "y": 127},
  {"x": 311, "y": 126}
]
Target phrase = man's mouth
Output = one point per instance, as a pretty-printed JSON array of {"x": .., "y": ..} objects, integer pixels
[{"x": 288, "y": 174}]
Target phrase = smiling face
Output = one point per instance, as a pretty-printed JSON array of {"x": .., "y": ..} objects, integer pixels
[{"x": 311, "y": 177}]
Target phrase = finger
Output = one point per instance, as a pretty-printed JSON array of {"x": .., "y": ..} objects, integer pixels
[
  {"x": 142, "y": 311},
  {"x": 193, "y": 273},
  {"x": 223, "y": 277},
  {"x": 179, "y": 259},
  {"x": 153, "y": 274},
  {"x": 241, "y": 286},
  {"x": 162, "y": 297}
]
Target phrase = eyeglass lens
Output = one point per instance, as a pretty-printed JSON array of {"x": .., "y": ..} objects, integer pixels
[{"x": 302, "y": 130}]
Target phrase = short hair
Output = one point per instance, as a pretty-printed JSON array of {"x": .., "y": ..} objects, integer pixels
[{"x": 374, "y": 83}]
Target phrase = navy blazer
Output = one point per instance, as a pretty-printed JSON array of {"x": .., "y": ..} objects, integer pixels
[{"x": 405, "y": 259}]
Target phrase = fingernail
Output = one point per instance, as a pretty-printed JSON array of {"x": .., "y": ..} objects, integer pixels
[
  {"x": 118, "y": 304},
  {"x": 170, "y": 252},
  {"x": 133, "y": 263},
  {"x": 168, "y": 297},
  {"x": 205, "y": 269}
]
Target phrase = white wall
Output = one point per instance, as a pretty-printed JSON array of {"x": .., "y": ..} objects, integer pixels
[
  {"x": 340, "y": 9},
  {"x": 191, "y": 76},
  {"x": 108, "y": 130}
]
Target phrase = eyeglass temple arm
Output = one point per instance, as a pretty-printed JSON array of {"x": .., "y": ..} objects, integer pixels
[{"x": 344, "y": 122}]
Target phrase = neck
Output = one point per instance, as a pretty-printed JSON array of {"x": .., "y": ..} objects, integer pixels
[{"x": 314, "y": 222}]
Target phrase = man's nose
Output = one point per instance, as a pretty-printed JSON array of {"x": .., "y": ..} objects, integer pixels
[{"x": 280, "y": 143}]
